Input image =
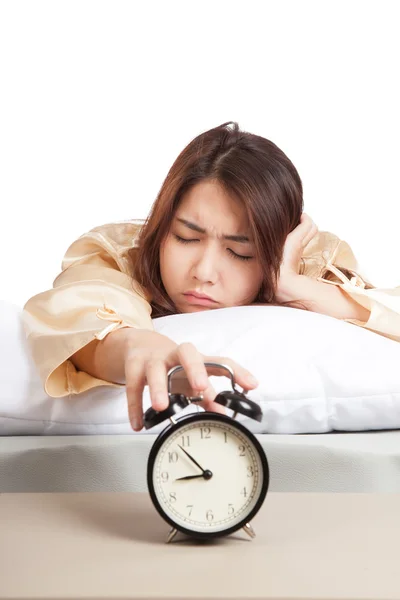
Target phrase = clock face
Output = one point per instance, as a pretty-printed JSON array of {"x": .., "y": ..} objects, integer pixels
[{"x": 226, "y": 487}]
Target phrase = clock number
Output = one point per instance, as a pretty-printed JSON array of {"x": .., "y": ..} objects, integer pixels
[
  {"x": 191, "y": 508},
  {"x": 242, "y": 450},
  {"x": 172, "y": 496},
  {"x": 209, "y": 515},
  {"x": 205, "y": 433},
  {"x": 231, "y": 510},
  {"x": 185, "y": 441},
  {"x": 250, "y": 471},
  {"x": 226, "y": 437},
  {"x": 164, "y": 476},
  {"x": 244, "y": 492},
  {"x": 172, "y": 457}
]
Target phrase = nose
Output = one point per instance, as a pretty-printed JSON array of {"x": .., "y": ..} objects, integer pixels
[{"x": 205, "y": 265}]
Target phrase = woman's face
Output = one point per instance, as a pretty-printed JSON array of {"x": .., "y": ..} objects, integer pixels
[{"x": 208, "y": 265}]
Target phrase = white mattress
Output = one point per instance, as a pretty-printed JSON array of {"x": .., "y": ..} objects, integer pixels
[{"x": 334, "y": 462}]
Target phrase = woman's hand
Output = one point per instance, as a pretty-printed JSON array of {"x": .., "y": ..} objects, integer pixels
[
  {"x": 293, "y": 251},
  {"x": 150, "y": 356}
]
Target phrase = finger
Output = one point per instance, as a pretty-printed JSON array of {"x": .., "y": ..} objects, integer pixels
[
  {"x": 135, "y": 381},
  {"x": 192, "y": 362},
  {"x": 310, "y": 234},
  {"x": 156, "y": 376},
  {"x": 301, "y": 230},
  {"x": 214, "y": 407},
  {"x": 306, "y": 222},
  {"x": 208, "y": 403},
  {"x": 181, "y": 385},
  {"x": 241, "y": 375},
  {"x": 305, "y": 218},
  {"x": 307, "y": 229}
]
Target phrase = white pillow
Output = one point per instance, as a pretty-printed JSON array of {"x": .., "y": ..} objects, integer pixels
[{"x": 316, "y": 373}]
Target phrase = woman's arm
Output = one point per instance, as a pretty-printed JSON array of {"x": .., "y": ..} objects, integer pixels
[
  {"x": 91, "y": 297},
  {"x": 322, "y": 298},
  {"x": 105, "y": 359},
  {"x": 331, "y": 280}
]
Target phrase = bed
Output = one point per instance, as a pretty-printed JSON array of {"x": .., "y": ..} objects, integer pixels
[
  {"x": 334, "y": 462},
  {"x": 329, "y": 392}
]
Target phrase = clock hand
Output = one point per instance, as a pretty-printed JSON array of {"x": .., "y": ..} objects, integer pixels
[
  {"x": 188, "y": 477},
  {"x": 206, "y": 475},
  {"x": 192, "y": 459}
]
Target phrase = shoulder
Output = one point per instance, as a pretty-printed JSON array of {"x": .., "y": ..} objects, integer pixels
[
  {"x": 119, "y": 233},
  {"x": 112, "y": 239}
]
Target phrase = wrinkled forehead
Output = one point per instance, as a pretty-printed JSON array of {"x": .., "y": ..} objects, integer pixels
[{"x": 219, "y": 214}]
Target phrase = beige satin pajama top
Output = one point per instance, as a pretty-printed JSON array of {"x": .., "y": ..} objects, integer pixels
[{"x": 94, "y": 294}]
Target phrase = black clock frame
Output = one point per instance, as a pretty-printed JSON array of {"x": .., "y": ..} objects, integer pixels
[{"x": 171, "y": 429}]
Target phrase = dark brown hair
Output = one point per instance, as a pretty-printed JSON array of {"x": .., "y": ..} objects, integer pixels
[{"x": 250, "y": 168}]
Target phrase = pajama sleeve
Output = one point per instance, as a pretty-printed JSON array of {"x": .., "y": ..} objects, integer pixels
[
  {"x": 93, "y": 295},
  {"x": 331, "y": 260}
]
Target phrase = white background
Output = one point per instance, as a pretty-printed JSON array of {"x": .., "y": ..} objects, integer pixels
[{"x": 98, "y": 98}]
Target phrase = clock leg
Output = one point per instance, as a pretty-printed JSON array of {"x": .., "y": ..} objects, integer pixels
[
  {"x": 171, "y": 535},
  {"x": 249, "y": 530}
]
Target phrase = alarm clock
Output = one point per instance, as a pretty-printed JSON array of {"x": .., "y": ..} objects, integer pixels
[{"x": 207, "y": 474}]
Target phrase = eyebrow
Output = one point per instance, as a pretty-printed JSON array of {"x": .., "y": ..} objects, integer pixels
[{"x": 243, "y": 239}]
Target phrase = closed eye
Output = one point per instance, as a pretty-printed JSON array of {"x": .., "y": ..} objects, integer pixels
[{"x": 182, "y": 240}]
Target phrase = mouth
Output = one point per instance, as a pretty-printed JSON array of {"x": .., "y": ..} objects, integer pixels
[{"x": 198, "y": 299}]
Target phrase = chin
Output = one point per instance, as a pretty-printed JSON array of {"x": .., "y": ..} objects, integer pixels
[{"x": 193, "y": 308}]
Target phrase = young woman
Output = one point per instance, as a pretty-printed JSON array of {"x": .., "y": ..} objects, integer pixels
[{"x": 227, "y": 229}]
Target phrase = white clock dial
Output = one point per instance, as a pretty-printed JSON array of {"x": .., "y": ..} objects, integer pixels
[{"x": 209, "y": 504}]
